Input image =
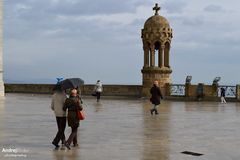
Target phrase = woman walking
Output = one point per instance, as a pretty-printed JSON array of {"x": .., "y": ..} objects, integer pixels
[
  {"x": 156, "y": 95},
  {"x": 72, "y": 104}
]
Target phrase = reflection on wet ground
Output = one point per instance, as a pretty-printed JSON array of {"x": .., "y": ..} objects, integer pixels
[{"x": 122, "y": 129}]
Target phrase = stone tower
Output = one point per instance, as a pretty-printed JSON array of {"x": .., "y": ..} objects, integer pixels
[
  {"x": 1, "y": 50},
  {"x": 156, "y": 38}
]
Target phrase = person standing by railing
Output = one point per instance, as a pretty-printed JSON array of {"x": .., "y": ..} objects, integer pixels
[
  {"x": 223, "y": 95},
  {"x": 98, "y": 89}
]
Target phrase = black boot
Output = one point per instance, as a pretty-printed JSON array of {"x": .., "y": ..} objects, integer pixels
[
  {"x": 156, "y": 112},
  {"x": 152, "y": 110},
  {"x": 67, "y": 145},
  {"x": 56, "y": 145}
]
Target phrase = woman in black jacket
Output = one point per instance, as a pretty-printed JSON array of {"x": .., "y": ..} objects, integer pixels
[
  {"x": 72, "y": 104},
  {"x": 156, "y": 95}
]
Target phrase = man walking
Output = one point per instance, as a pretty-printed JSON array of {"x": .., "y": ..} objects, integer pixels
[{"x": 58, "y": 100}]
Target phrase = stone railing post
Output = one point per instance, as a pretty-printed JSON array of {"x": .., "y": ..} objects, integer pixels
[
  {"x": 238, "y": 92},
  {"x": 168, "y": 89},
  {"x": 215, "y": 90},
  {"x": 187, "y": 89},
  {"x": 200, "y": 91}
]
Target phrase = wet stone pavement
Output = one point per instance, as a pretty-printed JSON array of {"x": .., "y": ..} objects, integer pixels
[{"x": 117, "y": 129}]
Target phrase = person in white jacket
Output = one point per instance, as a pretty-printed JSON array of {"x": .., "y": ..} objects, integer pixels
[
  {"x": 98, "y": 89},
  {"x": 58, "y": 100}
]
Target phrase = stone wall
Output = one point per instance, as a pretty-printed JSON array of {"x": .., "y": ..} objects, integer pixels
[
  {"x": 210, "y": 91},
  {"x": 108, "y": 90},
  {"x": 29, "y": 88},
  {"x": 115, "y": 90},
  {"x": 191, "y": 91}
]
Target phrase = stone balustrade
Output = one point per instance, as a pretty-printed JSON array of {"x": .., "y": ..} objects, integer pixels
[{"x": 170, "y": 91}]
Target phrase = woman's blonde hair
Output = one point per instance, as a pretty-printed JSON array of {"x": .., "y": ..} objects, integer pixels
[{"x": 73, "y": 92}]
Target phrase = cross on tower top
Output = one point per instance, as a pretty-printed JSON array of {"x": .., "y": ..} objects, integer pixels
[{"x": 156, "y": 8}]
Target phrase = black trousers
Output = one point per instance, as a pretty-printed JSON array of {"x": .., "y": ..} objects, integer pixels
[
  {"x": 73, "y": 136},
  {"x": 61, "y": 123},
  {"x": 98, "y": 95}
]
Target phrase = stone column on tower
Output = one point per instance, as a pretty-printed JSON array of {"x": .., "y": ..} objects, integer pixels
[
  {"x": 159, "y": 57},
  {"x": 1, "y": 50},
  {"x": 146, "y": 56},
  {"x": 152, "y": 56},
  {"x": 162, "y": 56}
]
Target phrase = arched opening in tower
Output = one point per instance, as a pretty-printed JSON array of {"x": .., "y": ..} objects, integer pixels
[{"x": 157, "y": 51}]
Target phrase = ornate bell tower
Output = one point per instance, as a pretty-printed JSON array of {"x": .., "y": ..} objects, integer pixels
[
  {"x": 156, "y": 38},
  {"x": 1, "y": 50}
]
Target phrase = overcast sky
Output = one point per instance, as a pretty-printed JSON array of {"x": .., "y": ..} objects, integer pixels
[{"x": 101, "y": 39}]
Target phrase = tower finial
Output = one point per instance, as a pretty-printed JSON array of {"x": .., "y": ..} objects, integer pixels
[{"x": 156, "y": 8}]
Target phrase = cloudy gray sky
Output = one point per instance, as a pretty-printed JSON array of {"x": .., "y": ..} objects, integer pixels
[{"x": 101, "y": 39}]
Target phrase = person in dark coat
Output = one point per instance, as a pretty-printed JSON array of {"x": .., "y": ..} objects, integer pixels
[
  {"x": 223, "y": 95},
  {"x": 72, "y": 104},
  {"x": 155, "y": 98}
]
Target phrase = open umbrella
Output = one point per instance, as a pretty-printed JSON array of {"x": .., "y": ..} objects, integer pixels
[{"x": 71, "y": 83}]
